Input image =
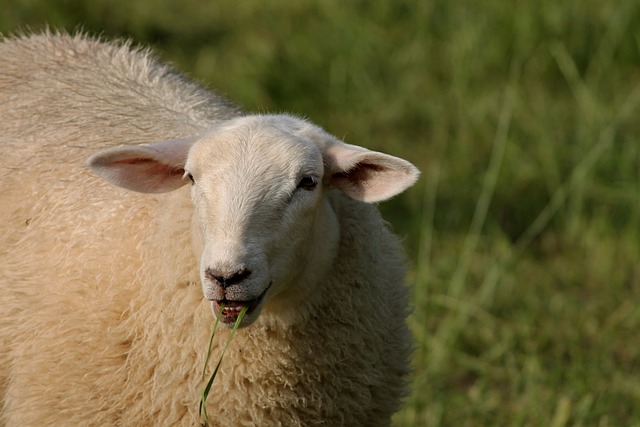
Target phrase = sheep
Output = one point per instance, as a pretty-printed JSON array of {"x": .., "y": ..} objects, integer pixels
[{"x": 112, "y": 274}]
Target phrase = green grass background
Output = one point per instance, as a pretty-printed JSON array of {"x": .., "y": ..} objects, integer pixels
[{"x": 524, "y": 229}]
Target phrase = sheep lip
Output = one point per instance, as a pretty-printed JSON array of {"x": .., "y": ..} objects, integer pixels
[{"x": 232, "y": 308}]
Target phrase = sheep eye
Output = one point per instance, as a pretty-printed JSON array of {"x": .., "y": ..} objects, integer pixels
[
  {"x": 308, "y": 183},
  {"x": 188, "y": 175}
]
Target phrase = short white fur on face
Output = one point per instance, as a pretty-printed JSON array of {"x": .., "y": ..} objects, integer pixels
[
  {"x": 259, "y": 186},
  {"x": 256, "y": 213}
]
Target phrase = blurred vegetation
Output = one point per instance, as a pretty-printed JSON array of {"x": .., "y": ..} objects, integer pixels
[{"x": 524, "y": 118}]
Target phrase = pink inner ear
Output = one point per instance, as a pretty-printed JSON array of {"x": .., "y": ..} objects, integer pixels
[
  {"x": 361, "y": 175},
  {"x": 134, "y": 161},
  {"x": 364, "y": 181},
  {"x": 371, "y": 177},
  {"x": 153, "y": 166}
]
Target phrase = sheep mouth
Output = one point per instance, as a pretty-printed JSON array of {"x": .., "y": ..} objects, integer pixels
[{"x": 227, "y": 311}]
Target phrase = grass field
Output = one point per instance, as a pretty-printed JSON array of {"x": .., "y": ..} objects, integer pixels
[{"x": 524, "y": 116}]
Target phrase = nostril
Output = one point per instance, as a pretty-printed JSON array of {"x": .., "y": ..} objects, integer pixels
[{"x": 226, "y": 280}]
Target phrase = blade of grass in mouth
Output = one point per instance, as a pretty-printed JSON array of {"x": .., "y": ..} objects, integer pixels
[{"x": 202, "y": 410}]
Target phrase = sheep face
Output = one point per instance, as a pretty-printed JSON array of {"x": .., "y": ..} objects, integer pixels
[
  {"x": 259, "y": 204},
  {"x": 264, "y": 227}
]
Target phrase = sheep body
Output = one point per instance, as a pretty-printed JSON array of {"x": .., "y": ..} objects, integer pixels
[{"x": 102, "y": 320}]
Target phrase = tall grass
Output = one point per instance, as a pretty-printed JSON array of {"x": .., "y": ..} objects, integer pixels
[{"x": 524, "y": 230}]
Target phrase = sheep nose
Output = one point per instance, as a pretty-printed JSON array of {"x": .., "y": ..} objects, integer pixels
[{"x": 225, "y": 280}]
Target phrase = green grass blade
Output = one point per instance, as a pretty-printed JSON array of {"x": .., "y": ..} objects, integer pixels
[
  {"x": 206, "y": 362},
  {"x": 213, "y": 333},
  {"x": 202, "y": 410}
]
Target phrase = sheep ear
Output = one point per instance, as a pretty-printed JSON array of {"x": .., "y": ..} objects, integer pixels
[
  {"x": 153, "y": 168},
  {"x": 366, "y": 175}
]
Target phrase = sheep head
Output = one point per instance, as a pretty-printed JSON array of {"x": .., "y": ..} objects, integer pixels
[{"x": 259, "y": 189}]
